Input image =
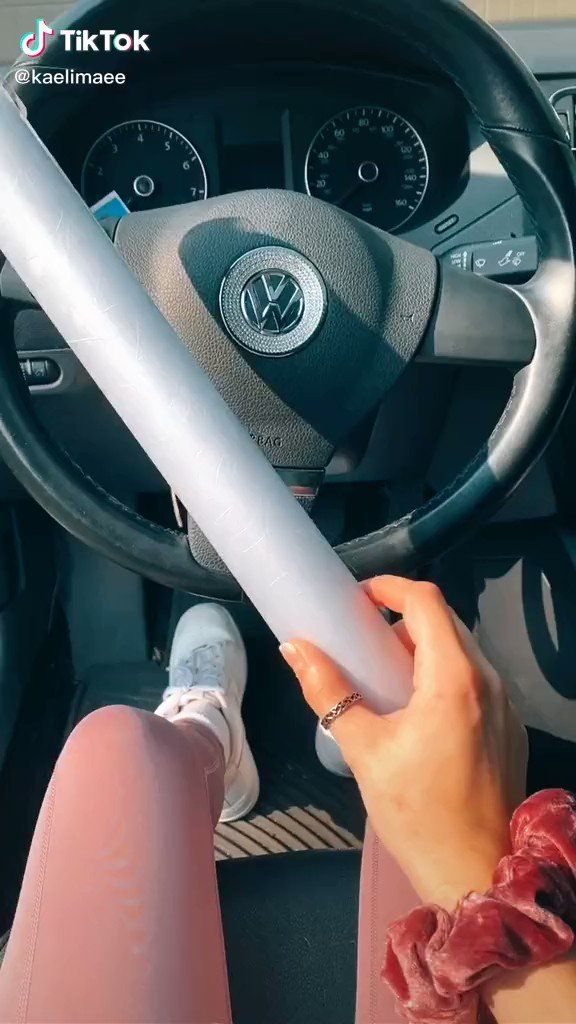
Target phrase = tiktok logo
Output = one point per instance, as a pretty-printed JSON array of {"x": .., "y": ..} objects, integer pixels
[{"x": 33, "y": 44}]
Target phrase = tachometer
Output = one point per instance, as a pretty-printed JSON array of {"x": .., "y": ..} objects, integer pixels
[
  {"x": 148, "y": 164},
  {"x": 371, "y": 162}
]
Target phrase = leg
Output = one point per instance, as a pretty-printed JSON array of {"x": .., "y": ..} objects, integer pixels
[
  {"x": 119, "y": 918},
  {"x": 385, "y": 894}
]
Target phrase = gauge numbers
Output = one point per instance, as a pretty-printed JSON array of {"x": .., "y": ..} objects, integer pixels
[
  {"x": 371, "y": 162},
  {"x": 148, "y": 164}
]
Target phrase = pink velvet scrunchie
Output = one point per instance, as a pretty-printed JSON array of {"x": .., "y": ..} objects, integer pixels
[{"x": 435, "y": 962}]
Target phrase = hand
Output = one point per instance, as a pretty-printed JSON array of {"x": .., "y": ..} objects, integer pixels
[{"x": 440, "y": 778}]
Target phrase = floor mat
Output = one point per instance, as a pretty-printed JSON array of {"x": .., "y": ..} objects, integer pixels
[{"x": 301, "y": 806}]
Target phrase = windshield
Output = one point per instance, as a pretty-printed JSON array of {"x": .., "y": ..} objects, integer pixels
[
  {"x": 15, "y": 16},
  {"x": 524, "y": 10}
]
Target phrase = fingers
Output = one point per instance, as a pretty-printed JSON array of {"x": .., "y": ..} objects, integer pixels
[
  {"x": 404, "y": 636},
  {"x": 428, "y": 624},
  {"x": 476, "y": 654},
  {"x": 324, "y": 685}
]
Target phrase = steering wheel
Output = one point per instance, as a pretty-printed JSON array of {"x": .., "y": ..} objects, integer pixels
[{"x": 362, "y": 305}]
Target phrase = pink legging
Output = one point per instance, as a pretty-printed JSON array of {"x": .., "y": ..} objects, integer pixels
[{"x": 118, "y": 919}]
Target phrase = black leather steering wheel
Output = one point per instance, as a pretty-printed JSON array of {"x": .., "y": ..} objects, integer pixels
[{"x": 388, "y": 303}]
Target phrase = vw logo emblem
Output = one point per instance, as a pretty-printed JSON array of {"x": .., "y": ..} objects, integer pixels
[
  {"x": 272, "y": 300},
  {"x": 273, "y": 303}
]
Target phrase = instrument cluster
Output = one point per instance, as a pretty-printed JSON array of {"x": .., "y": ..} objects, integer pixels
[
  {"x": 391, "y": 151},
  {"x": 368, "y": 160}
]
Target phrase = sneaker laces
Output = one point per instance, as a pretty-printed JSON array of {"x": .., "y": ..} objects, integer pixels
[{"x": 202, "y": 675}]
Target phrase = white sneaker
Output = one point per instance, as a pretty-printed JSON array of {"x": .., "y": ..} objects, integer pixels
[{"x": 207, "y": 673}]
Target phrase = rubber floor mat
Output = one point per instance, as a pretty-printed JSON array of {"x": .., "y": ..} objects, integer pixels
[{"x": 301, "y": 806}]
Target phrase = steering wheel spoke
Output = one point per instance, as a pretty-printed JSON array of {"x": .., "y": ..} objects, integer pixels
[{"x": 477, "y": 321}]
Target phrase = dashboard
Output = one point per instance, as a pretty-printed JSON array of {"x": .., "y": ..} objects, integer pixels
[{"x": 373, "y": 144}]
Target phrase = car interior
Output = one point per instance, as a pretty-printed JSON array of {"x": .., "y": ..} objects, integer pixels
[{"x": 283, "y": 102}]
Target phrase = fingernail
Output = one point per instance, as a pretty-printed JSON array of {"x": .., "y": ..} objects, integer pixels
[{"x": 292, "y": 655}]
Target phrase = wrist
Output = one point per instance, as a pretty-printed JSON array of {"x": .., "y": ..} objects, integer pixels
[
  {"x": 445, "y": 880},
  {"x": 441, "y": 960}
]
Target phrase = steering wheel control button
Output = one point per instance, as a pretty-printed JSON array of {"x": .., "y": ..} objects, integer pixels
[{"x": 272, "y": 301}]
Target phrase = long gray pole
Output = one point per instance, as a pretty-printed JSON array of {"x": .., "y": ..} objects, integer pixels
[{"x": 271, "y": 546}]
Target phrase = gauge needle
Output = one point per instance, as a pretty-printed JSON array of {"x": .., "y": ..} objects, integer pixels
[
  {"x": 348, "y": 195},
  {"x": 368, "y": 173}
]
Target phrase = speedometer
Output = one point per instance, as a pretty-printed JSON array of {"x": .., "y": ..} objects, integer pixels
[
  {"x": 148, "y": 164},
  {"x": 371, "y": 162}
]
